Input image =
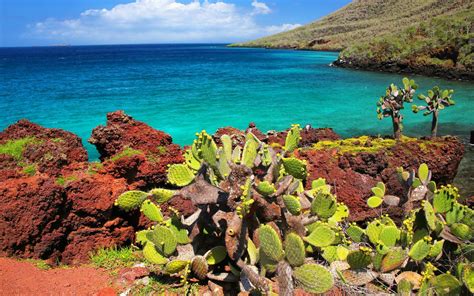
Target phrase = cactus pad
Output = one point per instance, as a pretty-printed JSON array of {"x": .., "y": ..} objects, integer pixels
[
  {"x": 164, "y": 240},
  {"x": 462, "y": 231},
  {"x": 446, "y": 284},
  {"x": 265, "y": 188},
  {"x": 329, "y": 253},
  {"x": 358, "y": 259},
  {"x": 216, "y": 255},
  {"x": 355, "y": 233},
  {"x": 176, "y": 266},
  {"x": 292, "y": 204},
  {"x": 393, "y": 259},
  {"x": 468, "y": 276},
  {"x": 429, "y": 215},
  {"x": 191, "y": 161},
  {"x": 420, "y": 250},
  {"x": 389, "y": 235},
  {"x": 436, "y": 249},
  {"x": 152, "y": 255},
  {"x": 321, "y": 236},
  {"x": 404, "y": 288},
  {"x": 180, "y": 175},
  {"x": 295, "y": 167},
  {"x": 250, "y": 151},
  {"x": 294, "y": 249},
  {"x": 162, "y": 195},
  {"x": 314, "y": 278},
  {"x": 374, "y": 201},
  {"x": 444, "y": 198},
  {"x": 270, "y": 243},
  {"x": 179, "y": 231},
  {"x": 324, "y": 205},
  {"x": 342, "y": 212},
  {"x": 199, "y": 267},
  {"x": 151, "y": 211},
  {"x": 140, "y": 237},
  {"x": 293, "y": 138},
  {"x": 358, "y": 278},
  {"x": 423, "y": 173},
  {"x": 131, "y": 200},
  {"x": 227, "y": 146}
]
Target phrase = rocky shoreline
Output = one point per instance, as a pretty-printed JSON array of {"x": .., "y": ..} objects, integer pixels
[{"x": 56, "y": 205}]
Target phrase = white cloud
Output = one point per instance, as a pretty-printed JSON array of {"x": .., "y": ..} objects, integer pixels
[
  {"x": 160, "y": 21},
  {"x": 260, "y": 8}
]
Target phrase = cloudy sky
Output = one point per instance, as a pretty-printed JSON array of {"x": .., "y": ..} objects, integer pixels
[{"x": 46, "y": 22}]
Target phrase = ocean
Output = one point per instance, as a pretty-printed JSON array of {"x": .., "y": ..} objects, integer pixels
[{"x": 185, "y": 88}]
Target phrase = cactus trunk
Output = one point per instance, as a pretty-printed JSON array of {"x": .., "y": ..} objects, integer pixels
[
  {"x": 434, "y": 124},
  {"x": 397, "y": 127}
]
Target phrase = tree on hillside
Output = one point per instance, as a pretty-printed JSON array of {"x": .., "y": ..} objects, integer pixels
[{"x": 391, "y": 104}]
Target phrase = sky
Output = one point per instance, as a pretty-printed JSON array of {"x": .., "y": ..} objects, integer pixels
[{"x": 77, "y": 22}]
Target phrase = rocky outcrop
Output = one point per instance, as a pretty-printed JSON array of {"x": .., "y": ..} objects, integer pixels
[
  {"x": 63, "y": 207},
  {"x": 133, "y": 150}
]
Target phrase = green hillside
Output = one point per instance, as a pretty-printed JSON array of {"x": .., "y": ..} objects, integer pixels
[{"x": 433, "y": 35}]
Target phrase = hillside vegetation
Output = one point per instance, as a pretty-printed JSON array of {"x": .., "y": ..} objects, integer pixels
[{"x": 432, "y": 34}]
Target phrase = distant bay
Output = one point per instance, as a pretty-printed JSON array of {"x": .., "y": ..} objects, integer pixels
[{"x": 182, "y": 89}]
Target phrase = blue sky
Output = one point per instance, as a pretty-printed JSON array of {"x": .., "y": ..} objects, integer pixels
[{"x": 47, "y": 22}]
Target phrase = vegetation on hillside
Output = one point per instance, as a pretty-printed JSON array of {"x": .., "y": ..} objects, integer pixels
[
  {"x": 414, "y": 33},
  {"x": 256, "y": 226}
]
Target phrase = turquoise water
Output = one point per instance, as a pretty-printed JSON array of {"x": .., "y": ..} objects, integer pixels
[{"x": 182, "y": 89}]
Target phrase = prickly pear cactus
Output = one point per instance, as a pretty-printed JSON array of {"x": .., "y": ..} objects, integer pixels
[
  {"x": 250, "y": 151},
  {"x": 131, "y": 200},
  {"x": 294, "y": 249},
  {"x": 359, "y": 259},
  {"x": 295, "y": 167},
  {"x": 420, "y": 249},
  {"x": 176, "y": 266},
  {"x": 355, "y": 233},
  {"x": 393, "y": 259},
  {"x": 162, "y": 195},
  {"x": 389, "y": 235},
  {"x": 199, "y": 267},
  {"x": 324, "y": 205},
  {"x": 163, "y": 239},
  {"x": 292, "y": 204},
  {"x": 265, "y": 188},
  {"x": 293, "y": 138},
  {"x": 313, "y": 278},
  {"x": 444, "y": 198},
  {"x": 446, "y": 284},
  {"x": 180, "y": 175},
  {"x": 151, "y": 211},
  {"x": 321, "y": 236},
  {"x": 152, "y": 255},
  {"x": 270, "y": 243}
]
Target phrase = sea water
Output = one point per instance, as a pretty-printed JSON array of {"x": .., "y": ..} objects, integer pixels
[{"x": 183, "y": 89}]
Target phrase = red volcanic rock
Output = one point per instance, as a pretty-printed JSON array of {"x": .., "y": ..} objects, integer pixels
[
  {"x": 354, "y": 174},
  {"x": 51, "y": 150},
  {"x": 135, "y": 151}
]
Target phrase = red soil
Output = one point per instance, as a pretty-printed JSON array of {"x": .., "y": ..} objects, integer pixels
[{"x": 23, "y": 278}]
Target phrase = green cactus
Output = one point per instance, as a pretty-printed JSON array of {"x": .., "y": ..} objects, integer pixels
[
  {"x": 320, "y": 185},
  {"x": 253, "y": 252},
  {"x": 265, "y": 188},
  {"x": 420, "y": 249},
  {"x": 329, "y": 253},
  {"x": 294, "y": 249},
  {"x": 179, "y": 231},
  {"x": 293, "y": 138},
  {"x": 292, "y": 204},
  {"x": 358, "y": 259},
  {"x": 468, "y": 276},
  {"x": 270, "y": 243},
  {"x": 313, "y": 278},
  {"x": 207, "y": 149},
  {"x": 391, "y": 104},
  {"x": 151, "y": 211},
  {"x": 152, "y": 255},
  {"x": 324, "y": 205},
  {"x": 355, "y": 233},
  {"x": 436, "y": 100},
  {"x": 342, "y": 212},
  {"x": 373, "y": 230},
  {"x": 456, "y": 214},
  {"x": 374, "y": 202},
  {"x": 404, "y": 288},
  {"x": 462, "y": 231},
  {"x": 266, "y": 155},
  {"x": 227, "y": 146},
  {"x": 131, "y": 200},
  {"x": 389, "y": 235},
  {"x": 216, "y": 255},
  {"x": 199, "y": 267},
  {"x": 236, "y": 154},
  {"x": 140, "y": 237},
  {"x": 444, "y": 198},
  {"x": 393, "y": 259},
  {"x": 250, "y": 151},
  {"x": 180, "y": 175},
  {"x": 436, "y": 249},
  {"x": 446, "y": 284},
  {"x": 429, "y": 215},
  {"x": 223, "y": 163},
  {"x": 162, "y": 195},
  {"x": 321, "y": 236},
  {"x": 191, "y": 161},
  {"x": 295, "y": 167},
  {"x": 163, "y": 239},
  {"x": 176, "y": 266}
]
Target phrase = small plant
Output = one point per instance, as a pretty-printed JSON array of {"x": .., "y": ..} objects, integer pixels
[
  {"x": 391, "y": 104},
  {"x": 113, "y": 258},
  {"x": 436, "y": 100},
  {"x": 126, "y": 152},
  {"x": 16, "y": 147}
]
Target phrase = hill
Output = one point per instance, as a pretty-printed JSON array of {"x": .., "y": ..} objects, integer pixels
[{"x": 437, "y": 34}]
